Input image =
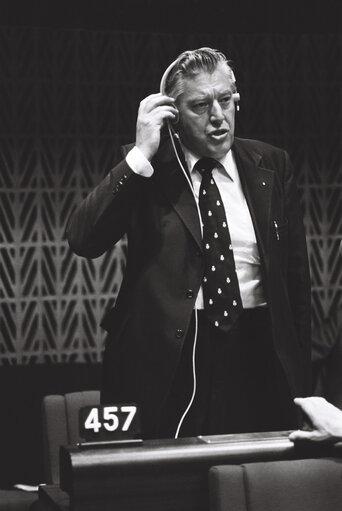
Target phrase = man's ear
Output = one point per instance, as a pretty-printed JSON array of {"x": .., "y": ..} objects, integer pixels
[{"x": 176, "y": 119}]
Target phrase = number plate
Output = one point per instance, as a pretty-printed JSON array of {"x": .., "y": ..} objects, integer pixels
[{"x": 109, "y": 422}]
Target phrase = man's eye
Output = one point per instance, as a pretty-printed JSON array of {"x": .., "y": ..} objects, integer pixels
[
  {"x": 226, "y": 100},
  {"x": 199, "y": 107}
]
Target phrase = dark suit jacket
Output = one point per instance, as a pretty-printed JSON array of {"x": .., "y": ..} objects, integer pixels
[
  {"x": 327, "y": 357},
  {"x": 165, "y": 267}
]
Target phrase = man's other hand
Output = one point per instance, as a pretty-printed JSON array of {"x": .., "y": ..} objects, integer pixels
[{"x": 325, "y": 418}]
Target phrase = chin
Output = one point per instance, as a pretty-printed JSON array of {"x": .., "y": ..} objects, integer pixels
[{"x": 219, "y": 153}]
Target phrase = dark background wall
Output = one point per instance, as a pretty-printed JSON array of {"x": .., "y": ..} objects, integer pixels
[
  {"x": 179, "y": 16},
  {"x": 72, "y": 74}
]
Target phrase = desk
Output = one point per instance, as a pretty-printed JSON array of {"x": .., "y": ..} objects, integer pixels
[{"x": 160, "y": 475}]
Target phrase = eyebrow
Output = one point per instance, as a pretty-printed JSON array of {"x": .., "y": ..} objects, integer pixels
[{"x": 204, "y": 95}]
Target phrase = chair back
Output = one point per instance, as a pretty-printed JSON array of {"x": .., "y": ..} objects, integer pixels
[
  {"x": 296, "y": 485},
  {"x": 61, "y": 427}
]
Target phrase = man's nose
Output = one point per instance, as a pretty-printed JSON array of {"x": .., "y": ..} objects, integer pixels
[{"x": 216, "y": 112}]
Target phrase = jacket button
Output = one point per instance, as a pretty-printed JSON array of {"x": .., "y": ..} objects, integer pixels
[
  {"x": 179, "y": 333},
  {"x": 189, "y": 293}
]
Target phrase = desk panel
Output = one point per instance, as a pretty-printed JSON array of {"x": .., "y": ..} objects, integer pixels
[{"x": 165, "y": 475}]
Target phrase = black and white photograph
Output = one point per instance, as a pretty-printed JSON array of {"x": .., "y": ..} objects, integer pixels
[{"x": 170, "y": 255}]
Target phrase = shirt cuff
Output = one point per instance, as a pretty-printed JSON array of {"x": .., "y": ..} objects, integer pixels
[{"x": 138, "y": 163}]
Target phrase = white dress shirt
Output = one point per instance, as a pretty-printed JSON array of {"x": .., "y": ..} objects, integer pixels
[{"x": 245, "y": 249}]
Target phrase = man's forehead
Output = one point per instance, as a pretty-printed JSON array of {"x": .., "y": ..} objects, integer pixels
[{"x": 202, "y": 81}]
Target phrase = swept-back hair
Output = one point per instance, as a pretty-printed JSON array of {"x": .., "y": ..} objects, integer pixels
[{"x": 191, "y": 62}]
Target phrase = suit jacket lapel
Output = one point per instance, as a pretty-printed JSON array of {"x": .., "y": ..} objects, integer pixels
[
  {"x": 171, "y": 179},
  {"x": 257, "y": 183}
]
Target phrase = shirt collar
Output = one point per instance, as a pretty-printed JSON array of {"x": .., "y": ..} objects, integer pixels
[{"x": 227, "y": 162}]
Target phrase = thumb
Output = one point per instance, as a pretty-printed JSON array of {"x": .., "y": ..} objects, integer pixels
[{"x": 302, "y": 435}]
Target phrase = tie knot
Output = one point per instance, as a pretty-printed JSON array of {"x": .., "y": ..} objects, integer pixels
[{"x": 206, "y": 165}]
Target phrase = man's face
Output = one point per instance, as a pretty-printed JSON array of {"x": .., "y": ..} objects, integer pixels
[{"x": 207, "y": 113}]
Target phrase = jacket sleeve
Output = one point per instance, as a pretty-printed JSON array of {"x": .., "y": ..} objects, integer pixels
[
  {"x": 299, "y": 285},
  {"x": 103, "y": 217}
]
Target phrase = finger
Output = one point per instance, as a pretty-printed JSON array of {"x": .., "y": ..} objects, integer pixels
[
  {"x": 310, "y": 404},
  {"x": 312, "y": 400},
  {"x": 314, "y": 435},
  {"x": 303, "y": 435},
  {"x": 300, "y": 435},
  {"x": 166, "y": 109},
  {"x": 154, "y": 101},
  {"x": 159, "y": 114},
  {"x": 171, "y": 117}
]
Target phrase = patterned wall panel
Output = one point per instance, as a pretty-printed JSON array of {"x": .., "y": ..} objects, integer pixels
[{"x": 68, "y": 99}]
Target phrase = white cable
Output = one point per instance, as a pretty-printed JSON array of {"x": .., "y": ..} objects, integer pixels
[
  {"x": 196, "y": 318},
  {"x": 236, "y": 98},
  {"x": 194, "y": 378},
  {"x": 186, "y": 177},
  {"x": 162, "y": 90}
]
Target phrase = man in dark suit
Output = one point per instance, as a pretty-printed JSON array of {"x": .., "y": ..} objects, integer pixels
[{"x": 210, "y": 333}]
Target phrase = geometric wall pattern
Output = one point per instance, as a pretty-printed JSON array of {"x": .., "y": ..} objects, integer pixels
[{"x": 68, "y": 99}]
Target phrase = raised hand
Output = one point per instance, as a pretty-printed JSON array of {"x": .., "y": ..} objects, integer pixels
[{"x": 154, "y": 110}]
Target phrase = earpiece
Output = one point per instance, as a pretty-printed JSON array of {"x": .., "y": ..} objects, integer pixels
[
  {"x": 236, "y": 95},
  {"x": 236, "y": 98}
]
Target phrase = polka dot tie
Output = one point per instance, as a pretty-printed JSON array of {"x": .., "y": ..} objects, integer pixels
[{"x": 222, "y": 300}]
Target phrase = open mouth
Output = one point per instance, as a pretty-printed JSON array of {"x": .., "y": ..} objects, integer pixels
[{"x": 218, "y": 134}]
